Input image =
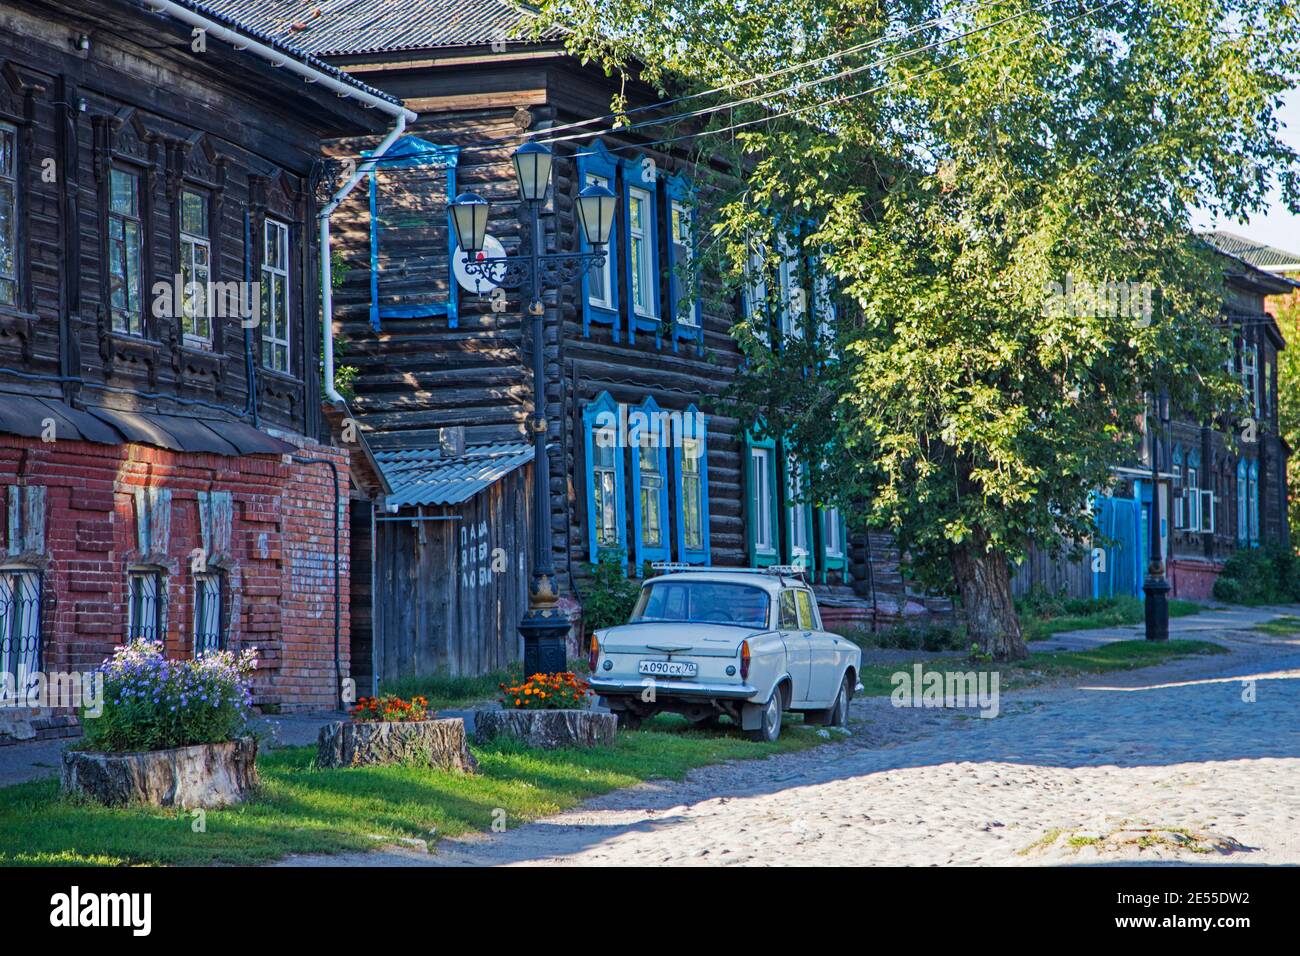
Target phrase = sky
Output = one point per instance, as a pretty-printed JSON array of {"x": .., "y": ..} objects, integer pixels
[{"x": 1276, "y": 227}]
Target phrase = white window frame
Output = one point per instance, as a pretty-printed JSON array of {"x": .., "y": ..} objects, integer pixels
[
  {"x": 127, "y": 321},
  {"x": 605, "y": 438},
  {"x": 760, "y": 463},
  {"x": 756, "y": 295},
  {"x": 831, "y": 533},
  {"x": 1192, "y": 495},
  {"x": 791, "y": 305},
  {"x": 606, "y": 271},
  {"x": 799, "y": 530},
  {"x": 1249, "y": 375},
  {"x": 651, "y": 486},
  {"x": 692, "y": 489},
  {"x": 641, "y": 252},
  {"x": 1209, "y": 502},
  {"x": 190, "y": 243},
  {"x": 681, "y": 229},
  {"x": 276, "y": 332}
]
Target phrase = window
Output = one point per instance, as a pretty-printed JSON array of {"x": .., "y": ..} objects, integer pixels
[
  {"x": 789, "y": 611},
  {"x": 683, "y": 249},
  {"x": 1192, "y": 491},
  {"x": 1242, "y": 501},
  {"x": 691, "y": 466},
  {"x": 144, "y": 605},
  {"x": 600, "y": 282},
  {"x": 792, "y": 302},
  {"x": 760, "y": 471},
  {"x": 275, "y": 296},
  {"x": 807, "y": 619},
  {"x": 833, "y": 533},
  {"x": 824, "y": 306},
  {"x": 1180, "y": 486},
  {"x": 125, "y": 251},
  {"x": 704, "y": 602},
  {"x": 209, "y": 619},
  {"x": 1249, "y": 380},
  {"x": 649, "y": 481},
  {"x": 604, "y": 455},
  {"x": 756, "y": 295},
  {"x": 641, "y": 265},
  {"x": 797, "y": 514},
  {"x": 20, "y": 623},
  {"x": 1268, "y": 389},
  {"x": 196, "y": 270},
  {"x": 600, "y": 287},
  {"x": 8, "y": 215},
  {"x": 1252, "y": 498}
]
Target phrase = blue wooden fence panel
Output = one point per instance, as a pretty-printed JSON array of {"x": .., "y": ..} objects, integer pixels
[{"x": 1118, "y": 523}]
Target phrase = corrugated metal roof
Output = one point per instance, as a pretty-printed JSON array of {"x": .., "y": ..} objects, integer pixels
[
  {"x": 428, "y": 477},
  {"x": 238, "y": 15},
  {"x": 1269, "y": 258},
  {"x": 343, "y": 27}
]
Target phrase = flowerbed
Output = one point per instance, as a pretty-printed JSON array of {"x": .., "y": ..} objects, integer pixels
[
  {"x": 390, "y": 708},
  {"x": 152, "y": 703},
  {"x": 561, "y": 691}
]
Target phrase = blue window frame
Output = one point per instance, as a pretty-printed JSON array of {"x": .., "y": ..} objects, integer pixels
[
  {"x": 648, "y": 440},
  {"x": 606, "y": 508},
  {"x": 684, "y": 303},
  {"x": 1242, "y": 508},
  {"x": 600, "y": 288},
  {"x": 1252, "y": 495},
  {"x": 415, "y": 157},
  {"x": 691, "y": 477},
  {"x": 762, "y": 534},
  {"x": 640, "y": 234}
]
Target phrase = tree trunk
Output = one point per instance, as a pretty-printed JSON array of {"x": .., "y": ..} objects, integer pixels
[{"x": 984, "y": 582}]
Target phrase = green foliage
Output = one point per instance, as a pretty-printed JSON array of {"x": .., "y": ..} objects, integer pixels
[
  {"x": 610, "y": 595},
  {"x": 152, "y": 703},
  {"x": 1043, "y": 614},
  {"x": 1286, "y": 309},
  {"x": 912, "y": 637},
  {"x": 1259, "y": 576},
  {"x": 1072, "y": 143}
]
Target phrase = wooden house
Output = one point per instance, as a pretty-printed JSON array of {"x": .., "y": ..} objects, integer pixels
[
  {"x": 631, "y": 352},
  {"x": 166, "y": 468}
]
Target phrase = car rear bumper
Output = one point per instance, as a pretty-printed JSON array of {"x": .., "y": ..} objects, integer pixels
[{"x": 672, "y": 688}]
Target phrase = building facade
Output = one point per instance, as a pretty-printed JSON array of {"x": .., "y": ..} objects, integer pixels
[
  {"x": 167, "y": 471},
  {"x": 646, "y": 464}
]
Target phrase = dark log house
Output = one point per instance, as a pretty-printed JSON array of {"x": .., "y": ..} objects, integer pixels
[{"x": 166, "y": 468}]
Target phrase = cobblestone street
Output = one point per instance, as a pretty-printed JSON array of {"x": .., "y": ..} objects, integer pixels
[{"x": 1168, "y": 763}]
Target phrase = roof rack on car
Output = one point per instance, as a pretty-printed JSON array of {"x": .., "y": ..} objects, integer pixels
[{"x": 775, "y": 570}]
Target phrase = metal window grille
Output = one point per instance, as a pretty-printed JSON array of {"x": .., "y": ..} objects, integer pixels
[
  {"x": 209, "y": 621},
  {"x": 20, "y": 623},
  {"x": 144, "y": 608}
]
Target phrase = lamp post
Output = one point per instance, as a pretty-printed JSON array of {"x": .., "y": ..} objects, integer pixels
[
  {"x": 1156, "y": 586},
  {"x": 543, "y": 628}
]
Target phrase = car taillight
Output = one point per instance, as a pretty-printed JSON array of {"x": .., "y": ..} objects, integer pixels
[
  {"x": 744, "y": 660},
  {"x": 593, "y": 652}
]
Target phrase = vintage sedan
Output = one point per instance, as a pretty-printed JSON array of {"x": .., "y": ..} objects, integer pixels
[{"x": 704, "y": 642}]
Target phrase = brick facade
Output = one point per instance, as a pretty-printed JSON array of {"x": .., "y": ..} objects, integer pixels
[{"x": 271, "y": 541}]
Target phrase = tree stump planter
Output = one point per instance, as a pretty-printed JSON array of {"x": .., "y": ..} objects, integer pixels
[
  {"x": 423, "y": 743},
  {"x": 203, "y": 776},
  {"x": 547, "y": 729}
]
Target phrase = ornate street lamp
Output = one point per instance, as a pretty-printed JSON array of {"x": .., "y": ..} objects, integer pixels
[
  {"x": 543, "y": 627},
  {"x": 1156, "y": 586}
]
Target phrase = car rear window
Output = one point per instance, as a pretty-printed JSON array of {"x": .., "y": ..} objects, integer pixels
[{"x": 702, "y": 602}]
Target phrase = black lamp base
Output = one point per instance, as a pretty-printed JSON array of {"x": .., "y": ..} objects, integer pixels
[
  {"x": 1157, "y": 608},
  {"x": 544, "y": 636}
]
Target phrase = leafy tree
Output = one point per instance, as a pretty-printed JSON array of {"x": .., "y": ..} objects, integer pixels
[
  {"x": 1286, "y": 309},
  {"x": 974, "y": 154}
]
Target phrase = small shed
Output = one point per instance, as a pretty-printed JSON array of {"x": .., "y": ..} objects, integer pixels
[{"x": 451, "y": 560}]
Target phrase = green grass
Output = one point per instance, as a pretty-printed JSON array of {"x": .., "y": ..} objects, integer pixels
[
  {"x": 1041, "y": 622},
  {"x": 300, "y": 809},
  {"x": 1281, "y": 626},
  {"x": 1043, "y": 666}
]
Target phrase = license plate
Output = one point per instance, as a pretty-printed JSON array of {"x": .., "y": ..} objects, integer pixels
[{"x": 669, "y": 668}]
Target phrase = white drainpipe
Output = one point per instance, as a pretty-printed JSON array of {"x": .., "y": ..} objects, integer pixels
[{"x": 310, "y": 74}]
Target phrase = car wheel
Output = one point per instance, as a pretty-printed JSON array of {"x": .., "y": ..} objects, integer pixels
[
  {"x": 839, "y": 712},
  {"x": 770, "y": 727}
]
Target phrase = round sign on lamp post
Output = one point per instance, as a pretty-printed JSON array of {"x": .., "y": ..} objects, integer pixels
[{"x": 479, "y": 285}]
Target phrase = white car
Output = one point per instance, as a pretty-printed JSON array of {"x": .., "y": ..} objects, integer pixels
[{"x": 703, "y": 642}]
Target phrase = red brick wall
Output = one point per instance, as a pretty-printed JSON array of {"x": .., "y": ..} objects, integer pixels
[
  {"x": 279, "y": 569},
  {"x": 1193, "y": 580}
]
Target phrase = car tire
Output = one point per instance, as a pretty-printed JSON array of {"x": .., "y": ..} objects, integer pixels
[
  {"x": 837, "y": 714},
  {"x": 769, "y": 729}
]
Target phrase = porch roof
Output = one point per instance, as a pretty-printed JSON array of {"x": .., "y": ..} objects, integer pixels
[{"x": 428, "y": 477}]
